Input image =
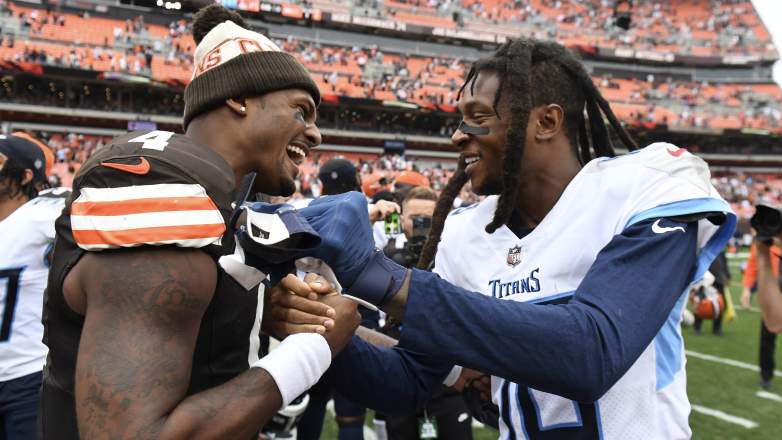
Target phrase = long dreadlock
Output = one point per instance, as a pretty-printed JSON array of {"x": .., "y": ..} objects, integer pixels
[
  {"x": 559, "y": 78},
  {"x": 11, "y": 178}
]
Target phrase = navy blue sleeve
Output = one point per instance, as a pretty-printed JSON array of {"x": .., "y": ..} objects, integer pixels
[
  {"x": 390, "y": 380},
  {"x": 577, "y": 350}
]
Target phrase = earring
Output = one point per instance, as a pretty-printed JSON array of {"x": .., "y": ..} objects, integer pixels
[{"x": 242, "y": 109}]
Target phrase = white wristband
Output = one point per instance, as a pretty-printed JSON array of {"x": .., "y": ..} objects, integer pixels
[
  {"x": 453, "y": 376},
  {"x": 297, "y": 364}
]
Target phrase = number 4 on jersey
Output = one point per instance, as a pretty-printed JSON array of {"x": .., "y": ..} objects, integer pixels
[{"x": 154, "y": 140}]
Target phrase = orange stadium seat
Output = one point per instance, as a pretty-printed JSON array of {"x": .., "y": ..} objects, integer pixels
[
  {"x": 437, "y": 82},
  {"x": 425, "y": 20}
]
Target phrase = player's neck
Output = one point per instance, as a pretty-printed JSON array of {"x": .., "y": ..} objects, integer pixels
[
  {"x": 9, "y": 205},
  {"x": 540, "y": 190},
  {"x": 205, "y": 132}
]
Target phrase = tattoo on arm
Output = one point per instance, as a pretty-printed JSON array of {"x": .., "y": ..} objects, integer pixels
[{"x": 144, "y": 309}]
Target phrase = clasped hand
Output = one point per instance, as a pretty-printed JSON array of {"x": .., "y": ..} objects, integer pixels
[{"x": 310, "y": 305}]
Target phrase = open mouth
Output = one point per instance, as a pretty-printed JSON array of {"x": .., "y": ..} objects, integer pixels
[
  {"x": 470, "y": 159},
  {"x": 297, "y": 153}
]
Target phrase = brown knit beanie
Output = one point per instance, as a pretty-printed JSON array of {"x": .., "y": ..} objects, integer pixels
[{"x": 234, "y": 62}]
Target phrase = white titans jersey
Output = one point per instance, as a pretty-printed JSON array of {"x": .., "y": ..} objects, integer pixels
[
  {"x": 608, "y": 195},
  {"x": 26, "y": 239}
]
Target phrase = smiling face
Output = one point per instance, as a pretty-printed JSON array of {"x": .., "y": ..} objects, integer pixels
[
  {"x": 483, "y": 152},
  {"x": 280, "y": 132}
]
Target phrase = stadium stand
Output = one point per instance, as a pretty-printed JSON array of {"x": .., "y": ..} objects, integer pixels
[
  {"x": 694, "y": 27},
  {"x": 389, "y": 71},
  {"x": 161, "y": 53}
]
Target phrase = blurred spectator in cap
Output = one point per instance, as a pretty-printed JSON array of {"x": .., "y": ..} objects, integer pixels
[
  {"x": 412, "y": 179},
  {"x": 374, "y": 184},
  {"x": 407, "y": 180},
  {"x": 383, "y": 195},
  {"x": 26, "y": 238},
  {"x": 24, "y": 164},
  {"x": 339, "y": 176}
]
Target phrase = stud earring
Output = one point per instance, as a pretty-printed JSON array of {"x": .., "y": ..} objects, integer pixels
[{"x": 242, "y": 109}]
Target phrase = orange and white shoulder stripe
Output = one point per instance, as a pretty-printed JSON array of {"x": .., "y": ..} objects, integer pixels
[{"x": 180, "y": 214}]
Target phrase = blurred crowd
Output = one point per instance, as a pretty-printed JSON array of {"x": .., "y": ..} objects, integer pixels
[
  {"x": 743, "y": 191},
  {"x": 127, "y": 46},
  {"x": 380, "y": 173},
  {"x": 696, "y": 27},
  {"x": 657, "y": 100},
  {"x": 164, "y": 53},
  {"x": 373, "y": 74}
]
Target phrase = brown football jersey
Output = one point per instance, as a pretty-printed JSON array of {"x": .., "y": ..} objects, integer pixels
[{"x": 148, "y": 189}]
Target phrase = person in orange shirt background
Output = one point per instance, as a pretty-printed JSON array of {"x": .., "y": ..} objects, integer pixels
[{"x": 768, "y": 339}]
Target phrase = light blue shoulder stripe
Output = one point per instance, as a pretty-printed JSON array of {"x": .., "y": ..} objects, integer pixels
[
  {"x": 668, "y": 343},
  {"x": 693, "y": 206},
  {"x": 683, "y": 207}
]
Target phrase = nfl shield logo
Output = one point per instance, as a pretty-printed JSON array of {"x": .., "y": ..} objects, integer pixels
[{"x": 514, "y": 256}]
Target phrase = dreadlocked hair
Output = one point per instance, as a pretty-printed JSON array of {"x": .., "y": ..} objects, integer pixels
[
  {"x": 11, "y": 178},
  {"x": 441, "y": 210},
  {"x": 558, "y": 78}
]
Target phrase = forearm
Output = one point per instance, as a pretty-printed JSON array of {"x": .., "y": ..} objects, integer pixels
[
  {"x": 134, "y": 364},
  {"x": 562, "y": 349},
  {"x": 577, "y": 350},
  {"x": 237, "y": 409},
  {"x": 119, "y": 397},
  {"x": 390, "y": 380},
  {"x": 769, "y": 296}
]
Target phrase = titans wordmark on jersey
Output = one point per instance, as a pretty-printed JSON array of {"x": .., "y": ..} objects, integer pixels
[
  {"x": 548, "y": 264},
  {"x": 26, "y": 238}
]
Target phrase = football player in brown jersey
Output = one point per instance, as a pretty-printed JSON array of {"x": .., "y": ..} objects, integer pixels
[{"x": 154, "y": 329}]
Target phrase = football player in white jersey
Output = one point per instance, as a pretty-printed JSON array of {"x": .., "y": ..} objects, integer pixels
[
  {"x": 27, "y": 217},
  {"x": 582, "y": 261}
]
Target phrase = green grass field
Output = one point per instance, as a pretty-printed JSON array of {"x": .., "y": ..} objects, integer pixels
[
  {"x": 729, "y": 388},
  {"x": 711, "y": 384}
]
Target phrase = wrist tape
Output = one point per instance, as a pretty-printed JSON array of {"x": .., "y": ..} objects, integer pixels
[
  {"x": 453, "y": 376},
  {"x": 297, "y": 364},
  {"x": 380, "y": 280}
]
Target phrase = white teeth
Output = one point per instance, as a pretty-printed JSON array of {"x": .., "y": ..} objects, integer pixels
[
  {"x": 472, "y": 160},
  {"x": 296, "y": 150}
]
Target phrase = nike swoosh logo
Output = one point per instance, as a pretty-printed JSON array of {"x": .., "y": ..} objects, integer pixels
[
  {"x": 657, "y": 229},
  {"x": 140, "y": 168},
  {"x": 675, "y": 153}
]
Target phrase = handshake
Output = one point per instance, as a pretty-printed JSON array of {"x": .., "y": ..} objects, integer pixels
[
  {"x": 310, "y": 306},
  {"x": 334, "y": 230}
]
